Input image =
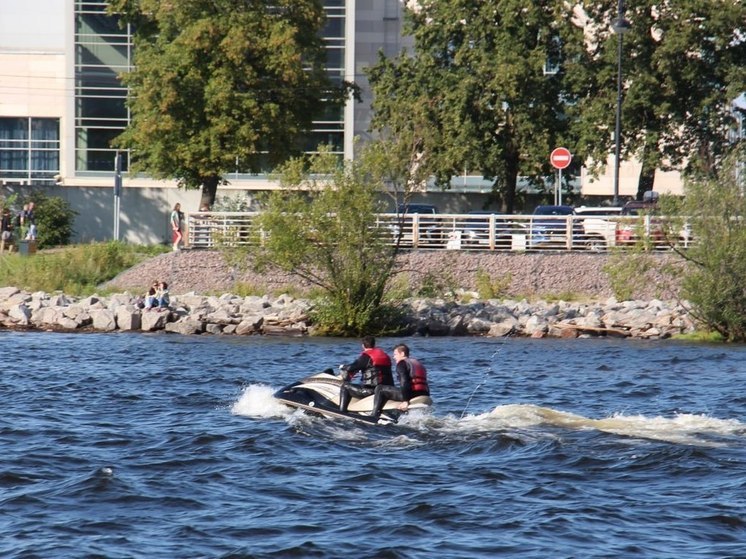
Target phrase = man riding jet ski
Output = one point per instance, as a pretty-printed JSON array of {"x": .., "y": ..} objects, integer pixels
[
  {"x": 375, "y": 399},
  {"x": 319, "y": 394}
]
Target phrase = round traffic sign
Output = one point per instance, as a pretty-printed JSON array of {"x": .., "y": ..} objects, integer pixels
[{"x": 560, "y": 158}]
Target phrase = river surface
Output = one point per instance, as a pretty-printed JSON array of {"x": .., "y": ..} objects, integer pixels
[{"x": 145, "y": 446}]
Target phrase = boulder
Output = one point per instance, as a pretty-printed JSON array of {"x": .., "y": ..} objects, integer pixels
[
  {"x": 185, "y": 327},
  {"x": 128, "y": 318},
  {"x": 153, "y": 320},
  {"x": 20, "y": 314},
  {"x": 103, "y": 319}
]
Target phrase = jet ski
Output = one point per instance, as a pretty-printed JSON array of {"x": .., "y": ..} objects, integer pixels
[{"x": 319, "y": 394}]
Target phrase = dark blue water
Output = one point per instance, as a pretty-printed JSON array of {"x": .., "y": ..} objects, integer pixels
[{"x": 143, "y": 446}]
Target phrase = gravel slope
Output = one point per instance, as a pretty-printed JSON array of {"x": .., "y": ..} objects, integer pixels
[{"x": 539, "y": 274}]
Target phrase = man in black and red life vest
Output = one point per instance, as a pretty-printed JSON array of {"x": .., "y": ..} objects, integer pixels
[
  {"x": 374, "y": 367},
  {"x": 412, "y": 382}
]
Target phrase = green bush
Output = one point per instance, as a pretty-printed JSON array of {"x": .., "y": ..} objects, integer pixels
[
  {"x": 54, "y": 218},
  {"x": 492, "y": 287}
]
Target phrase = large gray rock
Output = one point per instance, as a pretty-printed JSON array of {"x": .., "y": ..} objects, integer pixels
[
  {"x": 8, "y": 292},
  {"x": 536, "y": 325},
  {"x": 478, "y": 326},
  {"x": 223, "y": 316},
  {"x": 185, "y": 327},
  {"x": 128, "y": 318},
  {"x": 46, "y": 316},
  {"x": 153, "y": 320},
  {"x": 103, "y": 319},
  {"x": 21, "y": 314}
]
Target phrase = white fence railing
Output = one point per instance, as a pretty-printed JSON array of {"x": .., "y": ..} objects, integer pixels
[{"x": 474, "y": 231}]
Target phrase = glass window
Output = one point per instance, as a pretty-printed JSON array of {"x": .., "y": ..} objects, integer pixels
[
  {"x": 335, "y": 27},
  {"x": 335, "y": 57},
  {"x": 13, "y": 128},
  {"x": 102, "y": 107},
  {"x": 29, "y": 149},
  {"x": 93, "y": 148}
]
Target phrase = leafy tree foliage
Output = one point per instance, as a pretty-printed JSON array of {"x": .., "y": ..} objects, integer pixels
[
  {"x": 221, "y": 84},
  {"x": 476, "y": 93},
  {"x": 683, "y": 63},
  {"x": 325, "y": 231},
  {"x": 716, "y": 263},
  {"x": 54, "y": 220}
]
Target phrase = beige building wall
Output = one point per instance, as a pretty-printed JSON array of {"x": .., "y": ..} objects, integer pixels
[
  {"x": 669, "y": 182},
  {"x": 32, "y": 84}
]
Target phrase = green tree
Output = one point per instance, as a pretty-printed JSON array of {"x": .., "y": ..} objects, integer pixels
[
  {"x": 322, "y": 228},
  {"x": 219, "y": 85},
  {"x": 493, "y": 86},
  {"x": 481, "y": 90},
  {"x": 683, "y": 63},
  {"x": 715, "y": 266}
]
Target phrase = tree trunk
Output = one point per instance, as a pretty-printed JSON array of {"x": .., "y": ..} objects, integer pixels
[
  {"x": 209, "y": 191},
  {"x": 646, "y": 180},
  {"x": 511, "y": 180}
]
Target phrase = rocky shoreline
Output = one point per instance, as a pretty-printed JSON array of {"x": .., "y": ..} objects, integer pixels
[
  {"x": 202, "y": 283},
  {"x": 285, "y": 315}
]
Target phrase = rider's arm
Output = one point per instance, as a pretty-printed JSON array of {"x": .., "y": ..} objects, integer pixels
[{"x": 359, "y": 364}]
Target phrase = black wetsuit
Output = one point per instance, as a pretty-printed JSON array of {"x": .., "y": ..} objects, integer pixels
[
  {"x": 407, "y": 388},
  {"x": 372, "y": 375}
]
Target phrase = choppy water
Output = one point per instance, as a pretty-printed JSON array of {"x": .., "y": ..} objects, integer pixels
[{"x": 143, "y": 446}]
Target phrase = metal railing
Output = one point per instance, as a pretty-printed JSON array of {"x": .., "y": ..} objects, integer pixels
[{"x": 474, "y": 232}]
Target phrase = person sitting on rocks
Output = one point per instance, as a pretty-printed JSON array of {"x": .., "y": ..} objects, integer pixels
[
  {"x": 162, "y": 296},
  {"x": 150, "y": 298}
]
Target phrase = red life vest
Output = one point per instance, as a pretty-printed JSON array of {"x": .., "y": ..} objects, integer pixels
[
  {"x": 380, "y": 373},
  {"x": 418, "y": 374}
]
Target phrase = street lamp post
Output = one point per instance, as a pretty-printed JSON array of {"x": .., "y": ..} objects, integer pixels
[{"x": 620, "y": 26}]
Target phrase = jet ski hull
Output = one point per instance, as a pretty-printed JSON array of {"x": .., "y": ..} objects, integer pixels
[{"x": 319, "y": 394}]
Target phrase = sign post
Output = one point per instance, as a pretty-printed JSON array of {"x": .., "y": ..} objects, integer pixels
[
  {"x": 560, "y": 158},
  {"x": 117, "y": 192}
]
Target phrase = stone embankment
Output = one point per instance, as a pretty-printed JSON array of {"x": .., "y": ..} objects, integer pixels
[{"x": 284, "y": 315}]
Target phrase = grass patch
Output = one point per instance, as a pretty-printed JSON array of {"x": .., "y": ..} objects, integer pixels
[
  {"x": 492, "y": 287},
  {"x": 710, "y": 337},
  {"x": 75, "y": 270}
]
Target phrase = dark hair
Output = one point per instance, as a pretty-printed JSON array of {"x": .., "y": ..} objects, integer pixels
[
  {"x": 404, "y": 349},
  {"x": 369, "y": 341}
]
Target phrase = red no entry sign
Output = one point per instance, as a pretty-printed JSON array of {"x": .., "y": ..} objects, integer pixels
[{"x": 560, "y": 158}]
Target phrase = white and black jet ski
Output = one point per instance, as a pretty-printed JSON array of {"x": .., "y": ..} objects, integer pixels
[{"x": 319, "y": 394}]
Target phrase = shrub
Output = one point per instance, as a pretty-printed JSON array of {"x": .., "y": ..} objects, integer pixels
[{"x": 489, "y": 287}]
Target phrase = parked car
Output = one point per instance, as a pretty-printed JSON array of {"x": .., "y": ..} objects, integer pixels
[
  {"x": 416, "y": 209},
  {"x": 476, "y": 231},
  {"x": 429, "y": 232},
  {"x": 640, "y": 220},
  {"x": 550, "y": 227},
  {"x": 599, "y": 227}
]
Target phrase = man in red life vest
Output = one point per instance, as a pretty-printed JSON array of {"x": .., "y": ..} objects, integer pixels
[
  {"x": 412, "y": 382},
  {"x": 374, "y": 367}
]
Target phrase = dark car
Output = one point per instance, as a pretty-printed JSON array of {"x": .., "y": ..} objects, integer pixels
[
  {"x": 429, "y": 230},
  {"x": 549, "y": 227},
  {"x": 476, "y": 231},
  {"x": 416, "y": 209}
]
